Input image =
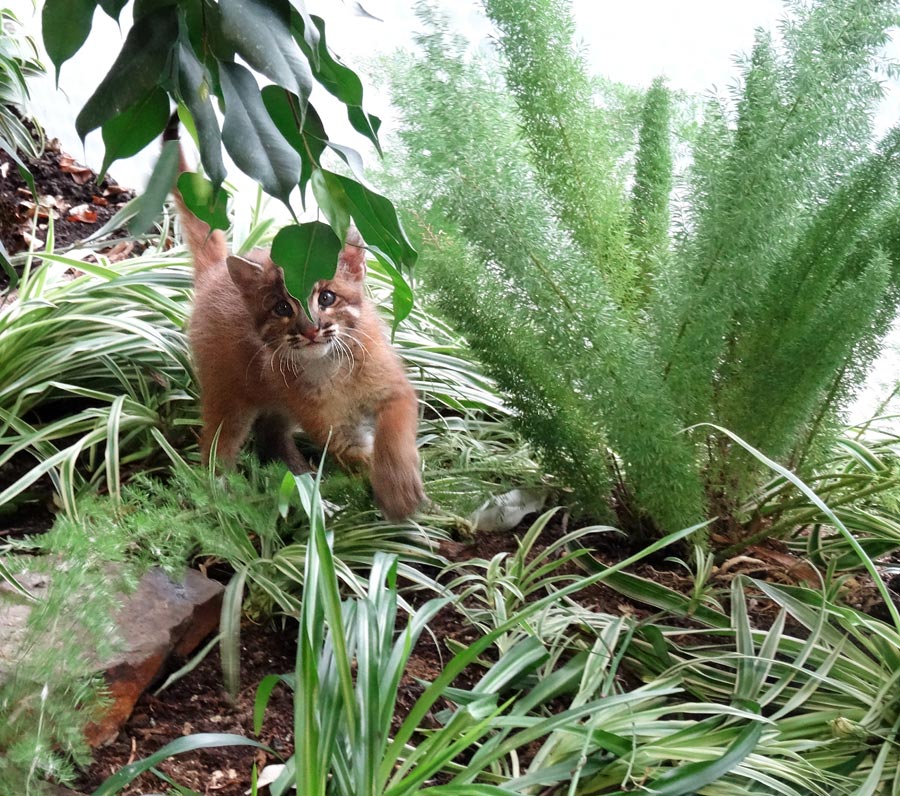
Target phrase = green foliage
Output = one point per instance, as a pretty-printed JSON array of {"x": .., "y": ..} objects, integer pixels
[
  {"x": 48, "y": 689},
  {"x": 826, "y": 688},
  {"x": 612, "y": 329},
  {"x": 860, "y": 483},
  {"x": 350, "y": 659},
  {"x": 18, "y": 62},
  {"x": 567, "y": 135},
  {"x": 187, "y": 52},
  {"x": 94, "y": 371},
  {"x": 649, "y": 222}
]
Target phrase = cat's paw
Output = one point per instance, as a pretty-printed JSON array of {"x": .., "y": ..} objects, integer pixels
[{"x": 398, "y": 491}]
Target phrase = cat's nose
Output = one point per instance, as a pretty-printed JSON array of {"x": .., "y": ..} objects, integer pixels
[{"x": 310, "y": 333}]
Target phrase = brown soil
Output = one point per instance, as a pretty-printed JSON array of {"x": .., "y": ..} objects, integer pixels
[
  {"x": 198, "y": 703},
  {"x": 69, "y": 192}
]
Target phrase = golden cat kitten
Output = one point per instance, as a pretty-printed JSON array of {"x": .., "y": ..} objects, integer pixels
[{"x": 262, "y": 364}]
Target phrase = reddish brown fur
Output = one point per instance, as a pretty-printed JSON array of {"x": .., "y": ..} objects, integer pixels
[{"x": 256, "y": 367}]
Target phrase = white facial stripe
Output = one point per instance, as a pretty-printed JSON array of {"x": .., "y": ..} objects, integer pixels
[{"x": 353, "y": 312}]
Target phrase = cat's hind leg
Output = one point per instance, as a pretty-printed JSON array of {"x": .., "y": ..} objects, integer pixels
[{"x": 274, "y": 438}]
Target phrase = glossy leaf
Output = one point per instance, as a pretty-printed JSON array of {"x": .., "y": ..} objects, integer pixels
[
  {"x": 332, "y": 200},
  {"x": 337, "y": 78},
  {"x": 307, "y": 136},
  {"x": 142, "y": 64},
  {"x": 402, "y": 299},
  {"x": 251, "y": 137},
  {"x": 113, "y": 7},
  {"x": 310, "y": 31},
  {"x": 307, "y": 253},
  {"x": 284, "y": 110},
  {"x": 203, "y": 27},
  {"x": 377, "y": 220},
  {"x": 194, "y": 89},
  {"x": 129, "y": 132},
  {"x": 203, "y": 200},
  {"x": 65, "y": 25},
  {"x": 260, "y": 31},
  {"x": 161, "y": 181}
]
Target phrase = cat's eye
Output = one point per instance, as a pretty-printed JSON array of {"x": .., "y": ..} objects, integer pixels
[
  {"x": 326, "y": 298},
  {"x": 283, "y": 309}
]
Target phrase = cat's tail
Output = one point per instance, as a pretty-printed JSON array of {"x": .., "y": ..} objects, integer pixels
[{"x": 208, "y": 247}]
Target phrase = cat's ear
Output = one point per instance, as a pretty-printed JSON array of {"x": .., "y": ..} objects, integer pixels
[
  {"x": 245, "y": 274},
  {"x": 352, "y": 260}
]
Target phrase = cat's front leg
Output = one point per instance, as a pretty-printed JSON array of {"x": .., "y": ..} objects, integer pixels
[
  {"x": 352, "y": 447},
  {"x": 395, "y": 475},
  {"x": 230, "y": 422}
]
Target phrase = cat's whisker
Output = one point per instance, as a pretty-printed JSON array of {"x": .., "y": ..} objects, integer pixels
[
  {"x": 349, "y": 333},
  {"x": 281, "y": 358},
  {"x": 262, "y": 347},
  {"x": 342, "y": 352},
  {"x": 357, "y": 330}
]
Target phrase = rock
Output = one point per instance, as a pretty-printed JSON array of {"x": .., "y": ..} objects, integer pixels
[{"x": 160, "y": 619}]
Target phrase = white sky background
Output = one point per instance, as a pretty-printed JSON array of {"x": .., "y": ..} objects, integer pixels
[{"x": 692, "y": 43}]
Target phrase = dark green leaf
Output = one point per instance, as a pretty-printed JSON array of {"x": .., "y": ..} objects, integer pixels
[
  {"x": 188, "y": 743},
  {"x": 377, "y": 220},
  {"x": 142, "y": 64},
  {"x": 7, "y": 266},
  {"x": 161, "y": 181},
  {"x": 194, "y": 91},
  {"x": 113, "y": 7},
  {"x": 130, "y": 131},
  {"x": 368, "y": 124},
  {"x": 143, "y": 8},
  {"x": 202, "y": 22},
  {"x": 284, "y": 110},
  {"x": 332, "y": 200},
  {"x": 309, "y": 139},
  {"x": 302, "y": 21},
  {"x": 203, "y": 200},
  {"x": 338, "y": 79},
  {"x": 251, "y": 137},
  {"x": 263, "y": 694},
  {"x": 307, "y": 253},
  {"x": 402, "y": 302},
  {"x": 65, "y": 25},
  {"x": 20, "y": 164},
  {"x": 260, "y": 31}
]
